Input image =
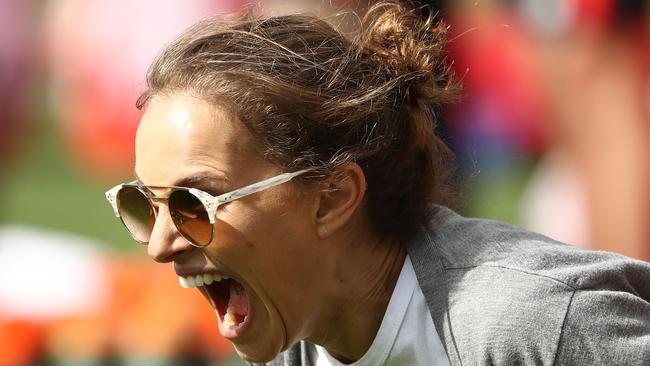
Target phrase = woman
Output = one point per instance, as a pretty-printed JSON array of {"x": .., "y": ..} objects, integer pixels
[{"x": 293, "y": 177}]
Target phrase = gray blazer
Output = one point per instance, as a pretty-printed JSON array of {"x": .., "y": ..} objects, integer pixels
[{"x": 501, "y": 295}]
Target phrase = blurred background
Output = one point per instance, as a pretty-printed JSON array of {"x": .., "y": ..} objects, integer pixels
[{"x": 553, "y": 134}]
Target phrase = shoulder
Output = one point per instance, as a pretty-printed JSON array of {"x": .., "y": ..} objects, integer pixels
[
  {"x": 500, "y": 294},
  {"x": 467, "y": 244}
]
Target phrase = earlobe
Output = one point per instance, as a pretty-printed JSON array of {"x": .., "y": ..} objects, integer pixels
[{"x": 340, "y": 198}]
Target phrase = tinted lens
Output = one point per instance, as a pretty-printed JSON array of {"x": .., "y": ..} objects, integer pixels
[
  {"x": 136, "y": 213},
  {"x": 190, "y": 217}
]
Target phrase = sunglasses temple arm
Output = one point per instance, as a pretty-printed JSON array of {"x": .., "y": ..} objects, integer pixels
[{"x": 259, "y": 186}]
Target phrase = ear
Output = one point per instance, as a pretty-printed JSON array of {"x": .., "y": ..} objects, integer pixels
[{"x": 339, "y": 198}]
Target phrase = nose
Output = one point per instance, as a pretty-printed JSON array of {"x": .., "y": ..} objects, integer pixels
[{"x": 166, "y": 243}]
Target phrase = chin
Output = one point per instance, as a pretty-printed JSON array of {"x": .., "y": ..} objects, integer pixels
[
  {"x": 263, "y": 344},
  {"x": 260, "y": 350},
  {"x": 256, "y": 355}
]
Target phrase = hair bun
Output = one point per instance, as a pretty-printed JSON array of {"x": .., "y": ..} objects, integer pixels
[{"x": 409, "y": 47}]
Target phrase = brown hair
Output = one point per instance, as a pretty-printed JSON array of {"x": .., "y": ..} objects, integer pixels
[{"x": 314, "y": 98}]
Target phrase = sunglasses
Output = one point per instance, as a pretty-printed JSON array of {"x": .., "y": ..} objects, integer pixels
[{"x": 192, "y": 210}]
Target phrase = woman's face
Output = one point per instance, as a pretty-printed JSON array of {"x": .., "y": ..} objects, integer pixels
[{"x": 263, "y": 242}]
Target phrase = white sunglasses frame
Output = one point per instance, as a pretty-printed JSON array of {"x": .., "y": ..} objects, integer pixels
[{"x": 210, "y": 202}]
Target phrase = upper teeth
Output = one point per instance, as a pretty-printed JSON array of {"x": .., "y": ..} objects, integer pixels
[{"x": 199, "y": 280}]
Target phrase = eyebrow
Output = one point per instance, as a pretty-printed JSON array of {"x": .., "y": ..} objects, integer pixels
[
  {"x": 191, "y": 181},
  {"x": 200, "y": 179}
]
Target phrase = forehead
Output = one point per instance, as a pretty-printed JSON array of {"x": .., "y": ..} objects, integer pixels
[{"x": 180, "y": 135}]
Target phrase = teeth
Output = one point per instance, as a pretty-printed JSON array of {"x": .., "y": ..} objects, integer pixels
[
  {"x": 229, "y": 320},
  {"x": 200, "y": 280}
]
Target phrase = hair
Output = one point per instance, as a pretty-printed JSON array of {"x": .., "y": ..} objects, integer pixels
[{"x": 313, "y": 97}]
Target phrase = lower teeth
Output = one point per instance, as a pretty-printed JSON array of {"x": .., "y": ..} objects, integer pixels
[
  {"x": 230, "y": 320},
  {"x": 237, "y": 307}
]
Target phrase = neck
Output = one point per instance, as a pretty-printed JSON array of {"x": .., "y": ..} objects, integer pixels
[{"x": 361, "y": 283}]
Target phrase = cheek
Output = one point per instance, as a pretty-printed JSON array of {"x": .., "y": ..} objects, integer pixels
[
  {"x": 264, "y": 239},
  {"x": 268, "y": 220},
  {"x": 265, "y": 245}
]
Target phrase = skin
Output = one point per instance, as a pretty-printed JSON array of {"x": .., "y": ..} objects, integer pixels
[{"x": 334, "y": 295}]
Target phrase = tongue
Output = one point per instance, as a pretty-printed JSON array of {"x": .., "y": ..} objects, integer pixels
[{"x": 237, "y": 305}]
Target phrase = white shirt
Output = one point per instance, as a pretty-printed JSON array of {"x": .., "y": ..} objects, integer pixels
[{"x": 406, "y": 336}]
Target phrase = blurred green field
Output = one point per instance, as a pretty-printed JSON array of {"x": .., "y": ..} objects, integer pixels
[{"x": 43, "y": 188}]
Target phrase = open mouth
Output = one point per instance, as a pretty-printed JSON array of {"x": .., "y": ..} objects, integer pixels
[{"x": 229, "y": 299}]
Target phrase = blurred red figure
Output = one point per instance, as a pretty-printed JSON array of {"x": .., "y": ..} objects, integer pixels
[
  {"x": 565, "y": 83},
  {"x": 97, "y": 67}
]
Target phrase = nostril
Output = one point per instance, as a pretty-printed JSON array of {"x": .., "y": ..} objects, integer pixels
[
  {"x": 158, "y": 256},
  {"x": 168, "y": 250},
  {"x": 166, "y": 243}
]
